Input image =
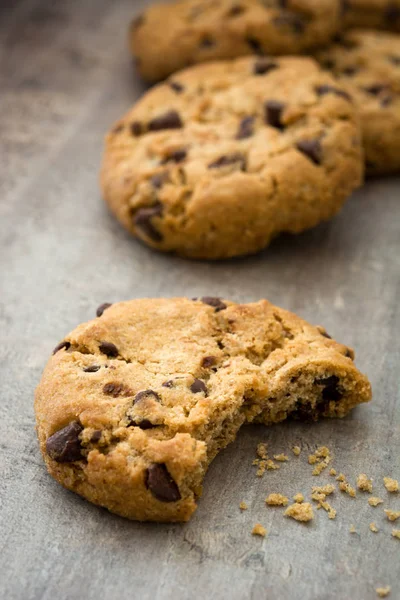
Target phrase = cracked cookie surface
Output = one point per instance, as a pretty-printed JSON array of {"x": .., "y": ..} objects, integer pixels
[
  {"x": 223, "y": 157},
  {"x": 134, "y": 405},
  {"x": 367, "y": 64},
  {"x": 169, "y": 37},
  {"x": 376, "y": 14}
]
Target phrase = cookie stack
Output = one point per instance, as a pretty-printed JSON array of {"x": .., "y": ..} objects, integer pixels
[{"x": 242, "y": 140}]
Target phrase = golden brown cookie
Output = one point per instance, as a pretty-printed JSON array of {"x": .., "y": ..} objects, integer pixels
[
  {"x": 170, "y": 36},
  {"x": 367, "y": 64},
  {"x": 223, "y": 157},
  {"x": 134, "y": 405}
]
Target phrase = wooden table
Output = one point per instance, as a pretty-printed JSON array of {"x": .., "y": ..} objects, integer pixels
[{"x": 65, "y": 77}]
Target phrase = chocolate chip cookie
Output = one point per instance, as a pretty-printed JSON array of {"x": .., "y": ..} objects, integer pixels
[
  {"x": 367, "y": 65},
  {"x": 377, "y": 14},
  {"x": 221, "y": 158},
  {"x": 134, "y": 405},
  {"x": 169, "y": 37}
]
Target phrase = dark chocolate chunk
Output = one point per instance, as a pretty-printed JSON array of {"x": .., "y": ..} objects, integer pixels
[
  {"x": 312, "y": 149},
  {"x": 176, "y": 86},
  {"x": 168, "y": 384},
  {"x": 376, "y": 88},
  {"x": 158, "y": 180},
  {"x": 323, "y": 90},
  {"x": 198, "y": 386},
  {"x": 143, "y": 221},
  {"x": 235, "y": 10},
  {"x": 214, "y": 302},
  {"x": 351, "y": 70},
  {"x": 229, "y": 159},
  {"x": 62, "y": 345},
  {"x": 395, "y": 60},
  {"x": 296, "y": 23},
  {"x": 136, "y": 128},
  {"x": 168, "y": 120},
  {"x": 273, "y": 113},
  {"x": 102, "y": 308},
  {"x": 160, "y": 483},
  {"x": 326, "y": 334},
  {"x": 146, "y": 394},
  {"x": 115, "y": 389},
  {"x": 137, "y": 22},
  {"x": 262, "y": 66},
  {"x": 92, "y": 369},
  {"x": 64, "y": 445},
  {"x": 176, "y": 156},
  {"x": 331, "y": 389},
  {"x": 144, "y": 424},
  {"x": 255, "y": 45},
  {"x": 109, "y": 349},
  {"x": 246, "y": 128},
  {"x": 96, "y": 436},
  {"x": 207, "y": 42},
  {"x": 208, "y": 361}
]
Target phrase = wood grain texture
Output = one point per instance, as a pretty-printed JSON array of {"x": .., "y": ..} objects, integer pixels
[{"x": 65, "y": 76}]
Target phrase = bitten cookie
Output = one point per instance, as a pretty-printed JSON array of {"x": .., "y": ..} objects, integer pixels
[
  {"x": 134, "y": 405},
  {"x": 367, "y": 65},
  {"x": 221, "y": 158},
  {"x": 169, "y": 37},
  {"x": 377, "y": 14}
]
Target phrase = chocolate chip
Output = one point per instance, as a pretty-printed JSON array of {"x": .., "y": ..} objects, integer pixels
[
  {"x": 326, "y": 334},
  {"x": 168, "y": 384},
  {"x": 273, "y": 113},
  {"x": 198, "y": 386},
  {"x": 392, "y": 14},
  {"x": 395, "y": 60},
  {"x": 64, "y": 445},
  {"x": 96, "y": 436},
  {"x": 176, "y": 86},
  {"x": 92, "y": 369},
  {"x": 176, "y": 156},
  {"x": 255, "y": 45},
  {"x": 207, "y": 42},
  {"x": 262, "y": 66},
  {"x": 136, "y": 128},
  {"x": 328, "y": 63},
  {"x": 351, "y": 70},
  {"x": 323, "y": 90},
  {"x": 102, "y": 308},
  {"x": 312, "y": 149},
  {"x": 345, "y": 42},
  {"x": 109, "y": 349},
  {"x": 214, "y": 302},
  {"x": 246, "y": 128},
  {"x": 291, "y": 20},
  {"x": 61, "y": 345},
  {"x": 146, "y": 394},
  {"x": 169, "y": 120},
  {"x": 142, "y": 220},
  {"x": 158, "y": 180},
  {"x": 229, "y": 159},
  {"x": 144, "y": 424},
  {"x": 208, "y": 361},
  {"x": 386, "y": 101},
  {"x": 137, "y": 22},
  {"x": 375, "y": 89},
  {"x": 331, "y": 390},
  {"x": 160, "y": 483},
  {"x": 114, "y": 389},
  {"x": 236, "y": 10}
]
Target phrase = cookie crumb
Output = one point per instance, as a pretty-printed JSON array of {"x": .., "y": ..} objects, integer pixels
[
  {"x": 392, "y": 485},
  {"x": 326, "y": 490},
  {"x": 258, "y": 529},
  {"x": 281, "y": 457},
  {"x": 271, "y": 466},
  {"x": 299, "y": 498},
  {"x": 363, "y": 483},
  {"x": 392, "y": 515},
  {"x": 383, "y": 591},
  {"x": 262, "y": 451},
  {"x": 243, "y": 506},
  {"x": 277, "y": 500},
  {"x": 300, "y": 512},
  {"x": 341, "y": 477},
  {"x": 373, "y": 528},
  {"x": 321, "y": 459},
  {"x": 352, "y": 529},
  {"x": 374, "y": 501},
  {"x": 344, "y": 486},
  {"x": 396, "y": 533},
  {"x": 332, "y": 472},
  {"x": 296, "y": 450}
]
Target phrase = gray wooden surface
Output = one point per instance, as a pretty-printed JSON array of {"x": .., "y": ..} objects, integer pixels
[{"x": 65, "y": 76}]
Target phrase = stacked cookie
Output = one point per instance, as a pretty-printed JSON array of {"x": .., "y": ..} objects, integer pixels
[{"x": 243, "y": 140}]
